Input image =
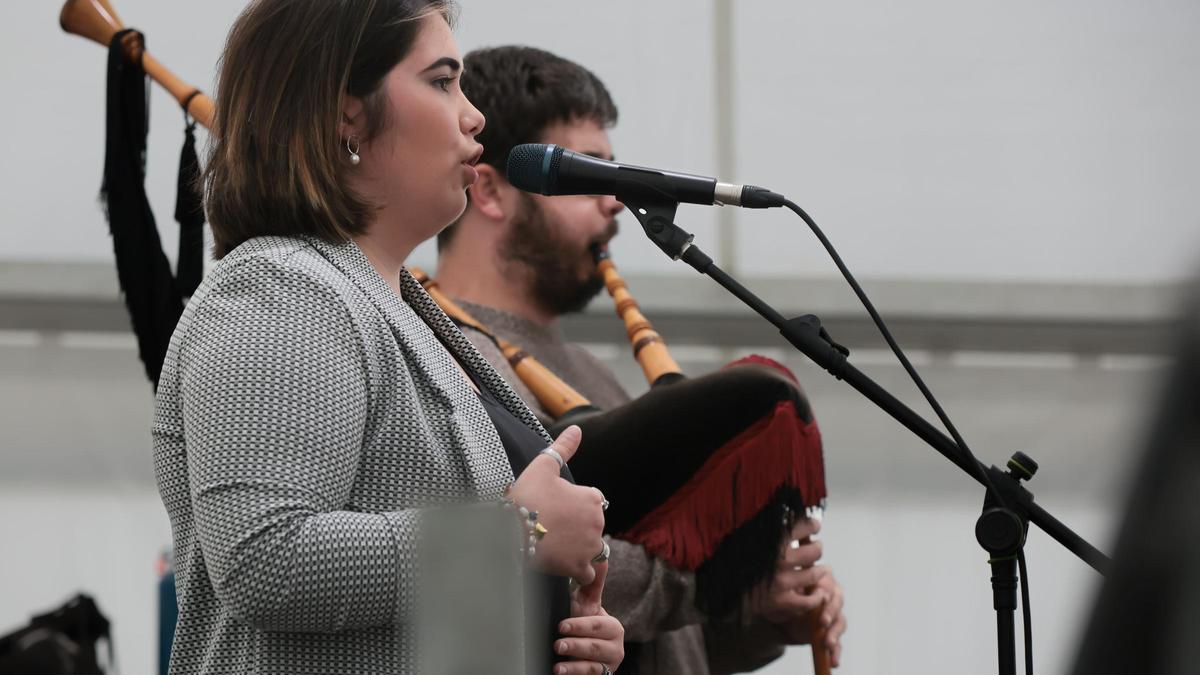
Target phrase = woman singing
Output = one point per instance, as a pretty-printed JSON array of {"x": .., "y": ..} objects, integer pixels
[{"x": 315, "y": 401}]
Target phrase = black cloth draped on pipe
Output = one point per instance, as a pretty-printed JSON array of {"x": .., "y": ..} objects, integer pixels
[
  {"x": 153, "y": 295},
  {"x": 189, "y": 210}
]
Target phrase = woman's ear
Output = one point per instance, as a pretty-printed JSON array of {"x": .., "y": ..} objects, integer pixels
[
  {"x": 352, "y": 122},
  {"x": 487, "y": 192}
]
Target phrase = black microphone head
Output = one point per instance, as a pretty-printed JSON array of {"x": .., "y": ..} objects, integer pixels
[{"x": 533, "y": 167}]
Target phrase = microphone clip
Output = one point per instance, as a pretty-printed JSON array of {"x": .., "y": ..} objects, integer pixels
[{"x": 657, "y": 217}]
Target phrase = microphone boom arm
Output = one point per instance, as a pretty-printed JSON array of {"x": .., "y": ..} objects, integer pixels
[{"x": 807, "y": 336}]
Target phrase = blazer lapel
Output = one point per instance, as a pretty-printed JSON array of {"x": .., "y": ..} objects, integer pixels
[
  {"x": 474, "y": 437},
  {"x": 401, "y": 318}
]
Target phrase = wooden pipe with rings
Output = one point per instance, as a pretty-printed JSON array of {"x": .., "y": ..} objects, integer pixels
[{"x": 96, "y": 20}]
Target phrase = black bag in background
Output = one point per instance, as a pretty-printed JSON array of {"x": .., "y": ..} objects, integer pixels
[{"x": 61, "y": 642}]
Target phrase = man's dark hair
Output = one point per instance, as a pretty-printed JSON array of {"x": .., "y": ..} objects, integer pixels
[{"x": 522, "y": 91}]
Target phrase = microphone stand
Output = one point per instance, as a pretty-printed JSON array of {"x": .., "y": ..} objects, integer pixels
[{"x": 1002, "y": 526}]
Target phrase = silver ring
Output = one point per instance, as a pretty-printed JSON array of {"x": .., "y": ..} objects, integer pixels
[
  {"x": 557, "y": 457},
  {"x": 606, "y": 670},
  {"x": 603, "y": 500},
  {"x": 602, "y": 556}
]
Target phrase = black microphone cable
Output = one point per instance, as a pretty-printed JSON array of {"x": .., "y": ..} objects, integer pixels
[{"x": 964, "y": 450}]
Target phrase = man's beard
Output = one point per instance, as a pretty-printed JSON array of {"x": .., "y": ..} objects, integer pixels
[{"x": 562, "y": 277}]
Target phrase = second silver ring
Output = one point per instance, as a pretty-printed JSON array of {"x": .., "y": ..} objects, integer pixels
[{"x": 602, "y": 556}]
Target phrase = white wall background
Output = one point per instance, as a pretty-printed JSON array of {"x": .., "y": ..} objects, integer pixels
[
  {"x": 932, "y": 139},
  {"x": 1006, "y": 141},
  {"x": 959, "y": 141}
]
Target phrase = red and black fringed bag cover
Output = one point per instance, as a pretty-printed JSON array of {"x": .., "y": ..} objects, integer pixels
[{"x": 704, "y": 473}]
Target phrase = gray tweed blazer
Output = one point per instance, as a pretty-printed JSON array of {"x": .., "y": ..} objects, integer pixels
[{"x": 304, "y": 417}]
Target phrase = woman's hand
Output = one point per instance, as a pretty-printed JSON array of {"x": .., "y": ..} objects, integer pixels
[
  {"x": 591, "y": 637},
  {"x": 571, "y": 514},
  {"x": 595, "y": 643}
]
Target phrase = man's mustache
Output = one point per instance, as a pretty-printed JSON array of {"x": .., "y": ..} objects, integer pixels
[{"x": 610, "y": 231}]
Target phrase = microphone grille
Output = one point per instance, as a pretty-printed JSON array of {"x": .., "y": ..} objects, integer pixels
[{"x": 531, "y": 165}]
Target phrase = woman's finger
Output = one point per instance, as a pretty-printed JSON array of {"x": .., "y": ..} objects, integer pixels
[
  {"x": 588, "y": 597},
  {"x": 587, "y": 649},
  {"x": 585, "y": 574},
  {"x": 600, "y": 627},
  {"x": 581, "y": 668},
  {"x": 568, "y": 442}
]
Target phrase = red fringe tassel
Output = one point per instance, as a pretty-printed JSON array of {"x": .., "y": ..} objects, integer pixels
[{"x": 733, "y": 486}]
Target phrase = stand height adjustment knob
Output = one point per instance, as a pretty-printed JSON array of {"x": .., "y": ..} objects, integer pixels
[
  {"x": 1021, "y": 466},
  {"x": 1000, "y": 532}
]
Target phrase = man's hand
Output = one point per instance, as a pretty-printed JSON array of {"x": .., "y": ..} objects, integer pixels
[
  {"x": 798, "y": 629},
  {"x": 803, "y": 594}
]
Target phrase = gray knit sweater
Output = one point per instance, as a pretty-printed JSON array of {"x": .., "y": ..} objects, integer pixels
[{"x": 654, "y": 601}]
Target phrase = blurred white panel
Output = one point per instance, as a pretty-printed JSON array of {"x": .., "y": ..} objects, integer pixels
[{"x": 1020, "y": 140}]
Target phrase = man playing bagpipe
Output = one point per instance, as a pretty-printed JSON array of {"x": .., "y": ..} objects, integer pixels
[{"x": 713, "y": 560}]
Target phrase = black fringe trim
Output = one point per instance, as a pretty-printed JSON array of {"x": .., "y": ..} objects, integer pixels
[{"x": 747, "y": 557}]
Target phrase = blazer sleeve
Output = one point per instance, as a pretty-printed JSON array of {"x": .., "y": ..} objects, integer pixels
[{"x": 274, "y": 390}]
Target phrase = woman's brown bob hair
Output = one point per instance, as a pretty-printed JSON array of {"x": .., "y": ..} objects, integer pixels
[{"x": 278, "y": 162}]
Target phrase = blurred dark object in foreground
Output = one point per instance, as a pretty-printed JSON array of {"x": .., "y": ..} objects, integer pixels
[
  {"x": 61, "y": 642},
  {"x": 1147, "y": 616}
]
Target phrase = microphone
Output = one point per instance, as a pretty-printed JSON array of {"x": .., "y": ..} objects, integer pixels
[{"x": 552, "y": 170}]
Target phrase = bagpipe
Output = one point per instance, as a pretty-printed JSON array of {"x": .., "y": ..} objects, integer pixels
[{"x": 705, "y": 473}]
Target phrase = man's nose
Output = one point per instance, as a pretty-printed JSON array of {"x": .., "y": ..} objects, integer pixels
[{"x": 610, "y": 206}]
